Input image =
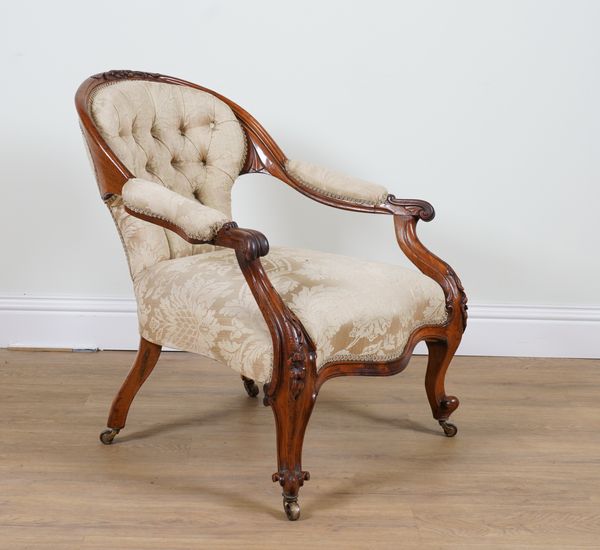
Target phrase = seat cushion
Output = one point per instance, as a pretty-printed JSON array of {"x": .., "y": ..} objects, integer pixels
[{"x": 352, "y": 309}]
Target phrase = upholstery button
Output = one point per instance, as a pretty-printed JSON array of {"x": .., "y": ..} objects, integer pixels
[{"x": 212, "y": 124}]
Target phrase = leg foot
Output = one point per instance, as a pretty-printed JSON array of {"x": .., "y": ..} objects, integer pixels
[
  {"x": 292, "y": 406},
  {"x": 108, "y": 435},
  {"x": 449, "y": 429},
  {"x": 145, "y": 361},
  {"x": 251, "y": 387},
  {"x": 442, "y": 405},
  {"x": 291, "y": 507}
]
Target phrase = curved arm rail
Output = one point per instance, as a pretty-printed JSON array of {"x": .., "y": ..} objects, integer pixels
[{"x": 434, "y": 267}]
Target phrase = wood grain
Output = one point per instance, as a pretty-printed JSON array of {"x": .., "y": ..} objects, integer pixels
[{"x": 192, "y": 468}]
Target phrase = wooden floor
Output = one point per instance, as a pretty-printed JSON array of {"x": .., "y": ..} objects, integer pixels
[{"x": 193, "y": 467}]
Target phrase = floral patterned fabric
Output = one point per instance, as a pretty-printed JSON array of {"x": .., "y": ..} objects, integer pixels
[
  {"x": 145, "y": 243},
  {"x": 352, "y": 309}
]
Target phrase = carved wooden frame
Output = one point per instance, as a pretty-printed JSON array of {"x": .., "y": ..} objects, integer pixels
[{"x": 295, "y": 381}]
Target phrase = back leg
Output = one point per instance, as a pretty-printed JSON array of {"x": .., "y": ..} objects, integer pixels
[
  {"x": 442, "y": 405},
  {"x": 251, "y": 387},
  {"x": 145, "y": 361}
]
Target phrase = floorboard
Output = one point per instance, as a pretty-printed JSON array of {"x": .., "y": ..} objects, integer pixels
[{"x": 192, "y": 469}]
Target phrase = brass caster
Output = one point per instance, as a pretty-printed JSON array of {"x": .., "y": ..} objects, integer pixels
[
  {"x": 291, "y": 507},
  {"x": 108, "y": 435},
  {"x": 251, "y": 388},
  {"x": 449, "y": 429}
]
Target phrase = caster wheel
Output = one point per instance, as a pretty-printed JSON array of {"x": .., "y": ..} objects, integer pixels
[
  {"x": 292, "y": 509},
  {"x": 449, "y": 429},
  {"x": 108, "y": 435},
  {"x": 251, "y": 388}
]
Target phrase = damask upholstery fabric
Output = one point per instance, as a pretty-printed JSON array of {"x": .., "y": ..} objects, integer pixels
[
  {"x": 196, "y": 220},
  {"x": 352, "y": 309},
  {"x": 336, "y": 185},
  {"x": 187, "y": 140},
  {"x": 145, "y": 244},
  {"x": 185, "y": 148}
]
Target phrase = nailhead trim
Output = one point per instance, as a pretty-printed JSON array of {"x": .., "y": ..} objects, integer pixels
[
  {"x": 320, "y": 191},
  {"x": 212, "y": 229}
]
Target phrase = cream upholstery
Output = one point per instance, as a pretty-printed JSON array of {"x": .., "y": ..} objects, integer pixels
[
  {"x": 185, "y": 148},
  {"x": 351, "y": 309},
  {"x": 145, "y": 244},
  {"x": 187, "y": 140},
  {"x": 196, "y": 220},
  {"x": 336, "y": 185}
]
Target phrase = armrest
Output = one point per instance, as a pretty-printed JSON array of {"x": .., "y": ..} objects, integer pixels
[
  {"x": 335, "y": 184},
  {"x": 359, "y": 195},
  {"x": 189, "y": 218},
  {"x": 322, "y": 185},
  {"x": 348, "y": 193}
]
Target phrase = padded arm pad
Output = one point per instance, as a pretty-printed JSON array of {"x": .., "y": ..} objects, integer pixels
[
  {"x": 333, "y": 184},
  {"x": 191, "y": 216}
]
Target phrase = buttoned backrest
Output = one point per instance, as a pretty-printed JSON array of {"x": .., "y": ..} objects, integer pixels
[{"x": 185, "y": 139}]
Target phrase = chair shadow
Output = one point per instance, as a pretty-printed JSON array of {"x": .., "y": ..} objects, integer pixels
[
  {"x": 234, "y": 500},
  {"x": 329, "y": 500},
  {"x": 401, "y": 423},
  {"x": 186, "y": 421}
]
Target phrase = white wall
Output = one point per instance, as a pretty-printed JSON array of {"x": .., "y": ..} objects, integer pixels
[{"x": 488, "y": 109}]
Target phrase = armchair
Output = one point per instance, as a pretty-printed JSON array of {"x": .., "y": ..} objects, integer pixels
[{"x": 166, "y": 153}]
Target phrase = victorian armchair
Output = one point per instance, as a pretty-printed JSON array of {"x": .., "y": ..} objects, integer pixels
[{"x": 166, "y": 153}]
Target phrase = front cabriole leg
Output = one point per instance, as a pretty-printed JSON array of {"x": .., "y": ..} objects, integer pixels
[
  {"x": 291, "y": 392},
  {"x": 442, "y": 405},
  {"x": 292, "y": 404},
  {"x": 444, "y": 343}
]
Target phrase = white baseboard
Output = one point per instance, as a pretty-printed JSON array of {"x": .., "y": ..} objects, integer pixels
[{"x": 110, "y": 323}]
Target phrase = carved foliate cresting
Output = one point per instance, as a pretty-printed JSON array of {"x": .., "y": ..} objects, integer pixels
[{"x": 124, "y": 74}]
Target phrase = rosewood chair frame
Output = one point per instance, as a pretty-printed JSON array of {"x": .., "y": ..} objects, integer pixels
[{"x": 292, "y": 391}]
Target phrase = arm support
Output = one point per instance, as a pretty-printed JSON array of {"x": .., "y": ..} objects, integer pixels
[
  {"x": 187, "y": 217},
  {"x": 435, "y": 268},
  {"x": 347, "y": 193},
  {"x": 293, "y": 349}
]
